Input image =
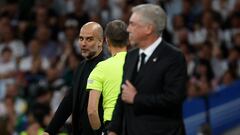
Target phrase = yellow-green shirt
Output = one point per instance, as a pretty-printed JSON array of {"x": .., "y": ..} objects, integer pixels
[
  {"x": 106, "y": 77},
  {"x": 40, "y": 132}
]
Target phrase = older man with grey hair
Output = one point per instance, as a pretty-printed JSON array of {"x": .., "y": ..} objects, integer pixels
[{"x": 154, "y": 79}]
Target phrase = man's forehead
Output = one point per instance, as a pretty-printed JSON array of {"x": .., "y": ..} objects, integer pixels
[
  {"x": 134, "y": 17},
  {"x": 86, "y": 32}
]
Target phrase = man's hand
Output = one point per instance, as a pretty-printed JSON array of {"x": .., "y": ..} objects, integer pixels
[
  {"x": 128, "y": 92},
  {"x": 112, "y": 133},
  {"x": 45, "y": 133}
]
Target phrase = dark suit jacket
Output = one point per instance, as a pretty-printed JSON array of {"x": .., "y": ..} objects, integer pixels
[
  {"x": 160, "y": 84},
  {"x": 75, "y": 101}
]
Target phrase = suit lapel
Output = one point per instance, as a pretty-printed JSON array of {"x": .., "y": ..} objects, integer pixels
[
  {"x": 131, "y": 69},
  {"x": 151, "y": 61}
]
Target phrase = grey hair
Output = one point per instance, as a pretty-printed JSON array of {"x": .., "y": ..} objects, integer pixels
[{"x": 152, "y": 14}]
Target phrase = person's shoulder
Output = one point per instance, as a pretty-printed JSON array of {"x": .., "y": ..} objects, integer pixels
[
  {"x": 105, "y": 55},
  {"x": 105, "y": 63},
  {"x": 111, "y": 61},
  {"x": 171, "y": 51},
  {"x": 133, "y": 50},
  {"x": 81, "y": 64},
  {"x": 172, "y": 47}
]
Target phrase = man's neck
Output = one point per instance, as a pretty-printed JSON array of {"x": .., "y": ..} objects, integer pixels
[
  {"x": 114, "y": 51},
  {"x": 150, "y": 40}
]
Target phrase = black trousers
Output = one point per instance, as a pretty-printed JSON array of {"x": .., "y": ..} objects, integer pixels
[{"x": 105, "y": 130}]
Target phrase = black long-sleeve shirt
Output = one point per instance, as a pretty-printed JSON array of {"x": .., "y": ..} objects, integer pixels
[{"x": 75, "y": 101}]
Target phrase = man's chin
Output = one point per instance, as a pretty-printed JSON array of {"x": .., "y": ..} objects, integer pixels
[
  {"x": 133, "y": 44},
  {"x": 84, "y": 55},
  {"x": 90, "y": 55}
]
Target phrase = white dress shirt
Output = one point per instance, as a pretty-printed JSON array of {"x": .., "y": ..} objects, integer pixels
[{"x": 148, "y": 51}]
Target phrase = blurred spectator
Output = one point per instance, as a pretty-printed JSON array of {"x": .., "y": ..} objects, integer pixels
[
  {"x": 38, "y": 118},
  {"x": 117, "y": 8},
  {"x": 200, "y": 82},
  {"x": 42, "y": 93},
  {"x": 13, "y": 12},
  {"x": 205, "y": 51},
  {"x": 20, "y": 106},
  {"x": 63, "y": 7},
  {"x": 203, "y": 71},
  {"x": 218, "y": 62},
  {"x": 49, "y": 48},
  {"x": 42, "y": 16},
  {"x": 72, "y": 62},
  {"x": 53, "y": 79},
  {"x": 228, "y": 77},
  {"x": 22, "y": 31},
  {"x": 234, "y": 61},
  {"x": 66, "y": 67},
  {"x": 13, "y": 107},
  {"x": 8, "y": 70},
  {"x": 3, "y": 126},
  {"x": 190, "y": 59},
  {"x": 172, "y": 7},
  {"x": 179, "y": 31},
  {"x": 27, "y": 63},
  {"x": 236, "y": 41},
  {"x": 69, "y": 35},
  {"x": 79, "y": 13},
  {"x": 233, "y": 27},
  {"x": 10, "y": 114},
  {"x": 192, "y": 89},
  {"x": 9, "y": 40},
  {"x": 207, "y": 30},
  {"x": 4, "y": 21},
  {"x": 34, "y": 65},
  {"x": 105, "y": 12},
  {"x": 187, "y": 13},
  {"x": 126, "y": 9},
  {"x": 223, "y": 7}
]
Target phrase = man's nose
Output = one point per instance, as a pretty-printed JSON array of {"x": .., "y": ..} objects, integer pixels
[
  {"x": 83, "y": 43},
  {"x": 128, "y": 28}
]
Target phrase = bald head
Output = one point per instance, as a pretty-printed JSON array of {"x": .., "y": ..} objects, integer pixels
[
  {"x": 94, "y": 27},
  {"x": 91, "y": 39}
]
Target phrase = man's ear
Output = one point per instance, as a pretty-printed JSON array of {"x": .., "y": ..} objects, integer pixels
[
  {"x": 107, "y": 40},
  {"x": 100, "y": 43},
  {"x": 149, "y": 29},
  {"x": 108, "y": 43}
]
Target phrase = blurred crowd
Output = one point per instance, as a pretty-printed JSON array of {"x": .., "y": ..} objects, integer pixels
[{"x": 39, "y": 50}]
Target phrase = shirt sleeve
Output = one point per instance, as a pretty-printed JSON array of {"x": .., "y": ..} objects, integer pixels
[{"x": 95, "y": 79}]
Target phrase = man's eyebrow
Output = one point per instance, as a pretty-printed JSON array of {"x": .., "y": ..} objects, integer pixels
[
  {"x": 86, "y": 37},
  {"x": 90, "y": 37}
]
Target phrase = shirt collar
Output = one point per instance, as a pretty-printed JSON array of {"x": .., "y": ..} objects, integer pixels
[{"x": 149, "y": 50}]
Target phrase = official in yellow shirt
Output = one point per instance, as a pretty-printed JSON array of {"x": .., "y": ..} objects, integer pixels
[{"x": 106, "y": 78}]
